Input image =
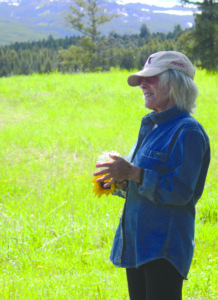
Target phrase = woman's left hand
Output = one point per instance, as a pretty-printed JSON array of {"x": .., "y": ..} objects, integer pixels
[{"x": 117, "y": 169}]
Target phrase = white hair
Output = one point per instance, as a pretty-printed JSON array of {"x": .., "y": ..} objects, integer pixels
[{"x": 183, "y": 89}]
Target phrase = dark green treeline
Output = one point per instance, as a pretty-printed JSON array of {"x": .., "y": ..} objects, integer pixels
[{"x": 75, "y": 54}]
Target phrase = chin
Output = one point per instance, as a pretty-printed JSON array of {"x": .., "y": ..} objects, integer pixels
[{"x": 149, "y": 106}]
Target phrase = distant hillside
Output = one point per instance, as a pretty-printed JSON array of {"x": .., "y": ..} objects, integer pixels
[{"x": 22, "y": 20}]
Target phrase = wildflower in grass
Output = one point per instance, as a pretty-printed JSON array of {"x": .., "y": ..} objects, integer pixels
[{"x": 98, "y": 188}]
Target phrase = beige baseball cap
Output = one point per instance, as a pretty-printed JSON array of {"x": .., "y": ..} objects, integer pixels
[{"x": 162, "y": 61}]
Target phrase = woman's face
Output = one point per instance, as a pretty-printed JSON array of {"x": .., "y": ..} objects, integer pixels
[{"x": 156, "y": 98}]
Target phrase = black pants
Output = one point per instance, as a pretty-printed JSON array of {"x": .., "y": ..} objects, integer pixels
[{"x": 156, "y": 280}]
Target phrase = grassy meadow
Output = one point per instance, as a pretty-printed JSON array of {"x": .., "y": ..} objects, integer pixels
[{"x": 55, "y": 236}]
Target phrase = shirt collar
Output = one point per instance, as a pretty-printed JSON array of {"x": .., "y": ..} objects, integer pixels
[{"x": 158, "y": 118}]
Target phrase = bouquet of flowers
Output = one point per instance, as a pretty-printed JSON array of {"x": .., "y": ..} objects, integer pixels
[{"x": 98, "y": 188}]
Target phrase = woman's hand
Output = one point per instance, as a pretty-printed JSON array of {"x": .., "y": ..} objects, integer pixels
[
  {"x": 122, "y": 184},
  {"x": 117, "y": 169}
]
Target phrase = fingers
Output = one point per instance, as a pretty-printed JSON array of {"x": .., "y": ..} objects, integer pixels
[
  {"x": 102, "y": 172},
  {"x": 114, "y": 157},
  {"x": 103, "y": 165},
  {"x": 104, "y": 178},
  {"x": 117, "y": 169},
  {"x": 109, "y": 163},
  {"x": 108, "y": 184},
  {"x": 101, "y": 179}
]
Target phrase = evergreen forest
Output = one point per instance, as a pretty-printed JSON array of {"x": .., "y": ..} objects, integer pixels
[
  {"x": 73, "y": 54},
  {"x": 93, "y": 52}
]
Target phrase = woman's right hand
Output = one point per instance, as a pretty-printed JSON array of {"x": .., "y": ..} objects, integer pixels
[{"x": 122, "y": 184}]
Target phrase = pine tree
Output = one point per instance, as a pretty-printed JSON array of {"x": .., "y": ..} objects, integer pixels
[
  {"x": 205, "y": 33},
  {"x": 86, "y": 16}
]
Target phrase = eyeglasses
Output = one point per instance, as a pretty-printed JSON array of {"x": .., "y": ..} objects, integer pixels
[{"x": 147, "y": 80}]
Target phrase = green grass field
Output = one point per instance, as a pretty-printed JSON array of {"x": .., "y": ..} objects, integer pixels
[{"x": 55, "y": 236}]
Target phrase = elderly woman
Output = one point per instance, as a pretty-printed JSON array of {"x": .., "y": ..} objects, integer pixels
[{"x": 155, "y": 238}]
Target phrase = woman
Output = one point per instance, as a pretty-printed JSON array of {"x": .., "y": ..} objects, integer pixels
[{"x": 155, "y": 238}]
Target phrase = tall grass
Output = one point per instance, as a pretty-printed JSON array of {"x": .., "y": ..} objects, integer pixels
[{"x": 55, "y": 236}]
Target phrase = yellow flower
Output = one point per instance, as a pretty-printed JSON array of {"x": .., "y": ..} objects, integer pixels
[{"x": 98, "y": 189}]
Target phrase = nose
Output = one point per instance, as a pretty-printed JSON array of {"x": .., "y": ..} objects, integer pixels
[{"x": 143, "y": 83}]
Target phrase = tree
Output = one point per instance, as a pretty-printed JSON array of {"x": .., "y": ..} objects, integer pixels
[
  {"x": 86, "y": 16},
  {"x": 78, "y": 58},
  {"x": 127, "y": 61},
  {"x": 205, "y": 33},
  {"x": 144, "y": 31},
  {"x": 205, "y": 36},
  {"x": 48, "y": 66},
  {"x": 186, "y": 44}
]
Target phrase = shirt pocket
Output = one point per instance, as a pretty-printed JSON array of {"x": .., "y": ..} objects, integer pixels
[{"x": 151, "y": 159}]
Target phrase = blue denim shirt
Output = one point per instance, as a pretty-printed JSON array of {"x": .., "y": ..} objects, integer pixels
[{"x": 159, "y": 214}]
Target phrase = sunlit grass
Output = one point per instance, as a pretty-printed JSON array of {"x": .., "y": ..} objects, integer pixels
[{"x": 55, "y": 236}]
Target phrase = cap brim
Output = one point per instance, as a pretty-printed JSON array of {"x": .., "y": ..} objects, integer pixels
[{"x": 133, "y": 80}]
